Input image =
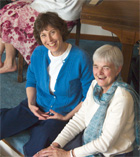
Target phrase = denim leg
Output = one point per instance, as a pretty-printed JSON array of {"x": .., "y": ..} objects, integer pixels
[
  {"x": 42, "y": 135},
  {"x": 15, "y": 120}
]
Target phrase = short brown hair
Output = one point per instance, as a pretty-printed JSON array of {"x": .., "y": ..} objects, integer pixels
[{"x": 49, "y": 18}]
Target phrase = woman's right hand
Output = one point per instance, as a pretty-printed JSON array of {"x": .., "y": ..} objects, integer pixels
[{"x": 38, "y": 113}]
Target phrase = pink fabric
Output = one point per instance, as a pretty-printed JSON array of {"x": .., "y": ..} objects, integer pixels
[{"x": 16, "y": 26}]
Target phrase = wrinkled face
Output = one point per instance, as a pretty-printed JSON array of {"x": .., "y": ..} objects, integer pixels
[
  {"x": 51, "y": 38},
  {"x": 105, "y": 74}
]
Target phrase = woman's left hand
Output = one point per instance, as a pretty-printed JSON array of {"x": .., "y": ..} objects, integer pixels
[
  {"x": 56, "y": 115},
  {"x": 52, "y": 152}
]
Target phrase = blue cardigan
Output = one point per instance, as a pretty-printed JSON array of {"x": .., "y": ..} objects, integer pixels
[{"x": 72, "y": 82}]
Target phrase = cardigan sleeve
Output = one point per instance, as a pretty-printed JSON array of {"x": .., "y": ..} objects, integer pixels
[{"x": 73, "y": 128}]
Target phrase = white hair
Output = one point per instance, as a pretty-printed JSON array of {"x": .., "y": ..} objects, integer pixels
[{"x": 110, "y": 54}]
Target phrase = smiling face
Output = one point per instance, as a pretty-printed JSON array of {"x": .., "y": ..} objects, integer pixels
[
  {"x": 105, "y": 74},
  {"x": 52, "y": 39}
]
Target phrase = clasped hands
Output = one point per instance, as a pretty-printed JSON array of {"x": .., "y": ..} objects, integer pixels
[
  {"x": 45, "y": 115},
  {"x": 52, "y": 151}
]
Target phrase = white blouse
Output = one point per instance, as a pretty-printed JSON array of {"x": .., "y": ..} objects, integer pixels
[{"x": 68, "y": 10}]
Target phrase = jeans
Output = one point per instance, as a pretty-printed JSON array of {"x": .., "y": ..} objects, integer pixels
[{"x": 20, "y": 118}]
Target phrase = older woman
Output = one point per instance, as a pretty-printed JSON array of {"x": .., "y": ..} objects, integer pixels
[
  {"x": 106, "y": 115},
  {"x": 58, "y": 79}
]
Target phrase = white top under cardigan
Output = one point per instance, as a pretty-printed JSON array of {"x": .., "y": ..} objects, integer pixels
[
  {"x": 68, "y": 10},
  {"x": 55, "y": 66},
  {"x": 118, "y": 129}
]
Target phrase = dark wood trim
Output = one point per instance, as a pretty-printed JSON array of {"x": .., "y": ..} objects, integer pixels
[
  {"x": 95, "y": 37},
  {"x": 13, "y": 148},
  {"x": 20, "y": 67}
]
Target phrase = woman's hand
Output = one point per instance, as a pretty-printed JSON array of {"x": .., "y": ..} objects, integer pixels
[
  {"x": 66, "y": 117},
  {"x": 38, "y": 113},
  {"x": 52, "y": 152},
  {"x": 56, "y": 115},
  {"x": 41, "y": 152}
]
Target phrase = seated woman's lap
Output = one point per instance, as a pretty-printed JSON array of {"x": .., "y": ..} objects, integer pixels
[
  {"x": 76, "y": 142},
  {"x": 42, "y": 135}
]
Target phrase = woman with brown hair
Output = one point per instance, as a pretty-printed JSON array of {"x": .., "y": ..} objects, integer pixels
[{"x": 58, "y": 79}]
